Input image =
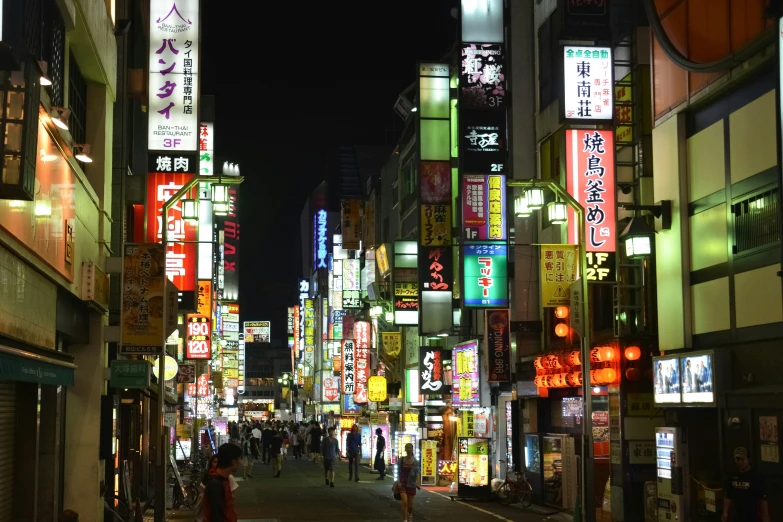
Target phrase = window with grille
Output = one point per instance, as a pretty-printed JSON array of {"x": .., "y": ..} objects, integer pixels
[
  {"x": 53, "y": 50},
  {"x": 77, "y": 102},
  {"x": 756, "y": 223}
]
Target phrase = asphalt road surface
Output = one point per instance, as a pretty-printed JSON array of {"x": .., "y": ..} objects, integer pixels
[{"x": 301, "y": 495}]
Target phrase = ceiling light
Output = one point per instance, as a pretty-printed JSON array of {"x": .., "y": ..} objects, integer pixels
[{"x": 84, "y": 152}]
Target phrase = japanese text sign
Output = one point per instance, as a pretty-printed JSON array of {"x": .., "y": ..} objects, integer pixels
[
  {"x": 601, "y": 266},
  {"x": 588, "y": 89},
  {"x": 465, "y": 374},
  {"x": 498, "y": 345},
  {"x": 482, "y": 80},
  {"x": 392, "y": 343},
  {"x": 485, "y": 276},
  {"x": 349, "y": 366},
  {"x": 350, "y": 407},
  {"x": 309, "y": 332},
  {"x": 206, "y": 149},
  {"x": 482, "y": 141},
  {"x": 173, "y": 75},
  {"x": 204, "y": 297},
  {"x": 259, "y": 331},
  {"x": 199, "y": 337},
  {"x": 431, "y": 378},
  {"x": 297, "y": 333},
  {"x": 590, "y": 177},
  {"x": 331, "y": 389},
  {"x": 142, "y": 298},
  {"x": 186, "y": 374},
  {"x": 351, "y": 223},
  {"x": 406, "y": 296},
  {"x": 436, "y": 269},
  {"x": 484, "y": 207},
  {"x": 558, "y": 271},
  {"x": 175, "y": 162},
  {"x": 320, "y": 240},
  {"x": 376, "y": 388},
  {"x": 290, "y": 323},
  {"x": 361, "y": 331},
  {"x": 435, "y": 225},
  {"x": 180, "y": 257},
  {"x": 229, "y": 226},
  {"x": 351, "y": 281},
  {"x": 201, "y": 387}
]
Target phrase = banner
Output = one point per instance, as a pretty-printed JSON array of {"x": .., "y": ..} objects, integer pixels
[
  {"x": 144, "y": 278},
  {"x": 558, "y": 271},
  {"x": 465, "y": 384},
  {"x": 497, "y": 326},
  {"x": 362, "y": 360},
  {"x": 351, "y": 221}
]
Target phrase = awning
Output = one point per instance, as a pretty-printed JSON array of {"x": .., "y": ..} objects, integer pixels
[{"x": 19, "y": 365}]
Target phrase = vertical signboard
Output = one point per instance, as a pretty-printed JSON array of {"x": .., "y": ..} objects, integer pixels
[
  {"x": 497, "y": 328},
  {"x": 591, "y": 181},
  {"x": 405, "y": 278},
  {"x": 173, "y": 75},
  {"x": 349, "y": 366},
  {"x": 180, "y": 256},
  {"x": 229, "y": 226},
  {"x": 588, "y": 89},
  {"x": 558, "y": 273},
  {"x": 351, "y": 280},
  {"x": 431, "y": 379},
  {"x": 309, "y": 336},
  {"x": 142, "y": 298},
  {"x": 465, "y": 374},
  {"x": 320, "y": 240},
  {"x": 290, "y": 322},
  {"x": 241, "y": 365},
  {"x": 206, "y": 149},
  {"x": 362, "y": 360},
  {"x": 484, "y": 207},
  {"x": 198, "y": 338},
  {"x": 204, "y": 297},
  {"x": 485, "y": 276},
  {"x": 351, "y": 223}
]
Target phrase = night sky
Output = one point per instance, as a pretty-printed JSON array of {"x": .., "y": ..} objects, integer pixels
[{"x": 293, "y": 83}]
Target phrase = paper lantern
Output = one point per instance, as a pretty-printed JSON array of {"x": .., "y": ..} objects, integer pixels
[
  {"x": 561, "y": 330},
  {"x": 608, "y": 375},
  {"x": 596, "y": 377},
  {"x": 539, "y": 381},
  {"x": 633, "y": 374},
  {"x": 538, "y": 363},
  {"x": 574, "y": 379},
  {"x": 633, "y": 353},
  {"x": 552, "y": 362},
  {"x": 561, "y": 312},
  {"x": 574, "y": 358},
  {"x": 606, "y": 353}
]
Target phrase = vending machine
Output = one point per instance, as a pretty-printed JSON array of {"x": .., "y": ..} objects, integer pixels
[{"x": 671, "y": 448}]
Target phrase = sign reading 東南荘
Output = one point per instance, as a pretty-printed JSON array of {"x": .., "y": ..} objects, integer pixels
[
  {"x": 588, "y": 89},
  {"x": 485, "y": 283},
  {"x": 590, "y": 179},
  {"x": 173, "y": 75},
  {"x": 558, "y": 272}
]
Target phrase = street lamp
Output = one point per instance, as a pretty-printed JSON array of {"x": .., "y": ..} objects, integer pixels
[
  {"x": 638, "y": 235},
  {"x": 520, "y": 206},
  {"x": 557, "y": 213},
  {"x": 535, "y": 197},
  {"x": 190, "y": 209},
  {"x": 221, "y": 199}
]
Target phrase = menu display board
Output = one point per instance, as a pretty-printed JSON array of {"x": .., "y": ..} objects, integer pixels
[{"x": 473, "y": 467}]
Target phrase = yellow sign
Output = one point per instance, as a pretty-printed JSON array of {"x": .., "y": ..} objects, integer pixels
[
  {"x": 623, "y": 108},
  {"x": 170, "y": 368},
  {"x": 217, "y": 379},
  {"x": 142, "y": 300},
  {"x": 411, "y": 417},
  {"x": 435, "y": 225},
  {"x": 640, "y": 405},
  {"x": 204, "y": 297},
  {"x": 558, "y": 271},
  {"x": 429, "y": 461},
  {"x": 392, "y": 343},
  {"x": 308, "y": 383},
  {"x": 231, "y": 373},
  {"x": 346, "y": 423},
  {"x": 382, "y": 260},
  {"x": 183, "y": 430},
  {"x": 376, "y": 388},
  {"x": 467, "y": 428}
]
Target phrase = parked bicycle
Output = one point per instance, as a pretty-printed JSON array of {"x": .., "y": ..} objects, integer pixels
[{"x": 515, "y": 488}]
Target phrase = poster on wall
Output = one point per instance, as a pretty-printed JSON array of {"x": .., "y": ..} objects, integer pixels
[
  {"x": 142, "y": 305},
  {"x": 768, "y": 433}
]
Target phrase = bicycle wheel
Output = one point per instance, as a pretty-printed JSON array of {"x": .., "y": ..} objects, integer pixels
[
  {"x": 526, "y": 497},
  {"x": 193, "y": 494},
  {"x": 505, "y": 494}
]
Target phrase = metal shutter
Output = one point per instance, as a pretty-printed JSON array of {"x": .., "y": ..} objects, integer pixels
[{"x": 7, "y": 440}]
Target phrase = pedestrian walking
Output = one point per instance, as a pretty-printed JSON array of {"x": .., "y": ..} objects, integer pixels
[
  {"x": 380, "y": 454},
  {"x": 294, "y": 439},
  {"x": 330, "y": 449},
  {"x": 315, "y": 442},
  {"x": 354, "y": 443},
  {"x": 303, "y": 441},
  {"x": 275, "y": 452},
  {"x": 218, "y": 495},
  {"x": 744, "y": 493},
  {"x": 267, "y": 434},
  {"x": 247, "y": 454},
  {"x": 409, "y": 481},
  {"x": 286, "y": 441}
]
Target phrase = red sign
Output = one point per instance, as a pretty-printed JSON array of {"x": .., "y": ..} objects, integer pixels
[
  {"x": 180, "y": 257},
  {"x": 361, "y": 333},
  {"x": 201, "y": 385},
  {"x": 198, "y": 337},
  {"x": 591, "y": 181},
  {"x": 186, "y": 374}
]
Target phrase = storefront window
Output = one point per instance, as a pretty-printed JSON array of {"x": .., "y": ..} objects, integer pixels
[
  {"x": 532, "y": 455},
  {"x": 553, "y": 470}
]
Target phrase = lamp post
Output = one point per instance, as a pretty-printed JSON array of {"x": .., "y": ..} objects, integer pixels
[
  {"x": 160, "y": 489},
  {"x": 533, "y": 199}
]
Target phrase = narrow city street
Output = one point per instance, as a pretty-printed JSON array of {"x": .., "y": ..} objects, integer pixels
[{"x": 301, "y": 495}]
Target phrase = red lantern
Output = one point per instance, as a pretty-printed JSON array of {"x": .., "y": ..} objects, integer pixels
[
  {"x": 632, "y": 353},
  {"x": 574, "y": 358},
  {"x": 608, "y": 375},
  {"x": 561, "y": 312},
  {"x": 574, "y": 379},
  {"x": 552, "y": 362},
  {"x": 539, "y": 381},
  {"x": 596, "y": 377},
  {"x": 538, "y": 363},
  {"x": 561, "y": 330},
  {"x": 606, "y": 353},
  {"x": 633, "y": 374}
]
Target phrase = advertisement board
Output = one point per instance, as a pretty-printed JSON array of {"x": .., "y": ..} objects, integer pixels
[
  {"x": 198, "y": 339},
  {"x": 465, "y": 383},
  {"x": 485, "y": 276},
  {"x": 257, "y": 331},
  {"x": 473, "y": 468},
  {"x": 484, "y": 207},
  {"x": 142, "y": 303}
]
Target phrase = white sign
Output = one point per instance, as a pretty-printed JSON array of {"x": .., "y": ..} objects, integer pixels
[
  {"x": 230, "y": 327},
  {"x": 241, "y": 364},
  {"x": 349, "y": 368},
  {"x": 173, "y": 75},
  {"x": 588, "y": 90},
  {"x": 260, "y": 330}
]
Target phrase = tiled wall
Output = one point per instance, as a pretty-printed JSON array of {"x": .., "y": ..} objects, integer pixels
[{"x": 28, "y": 302}]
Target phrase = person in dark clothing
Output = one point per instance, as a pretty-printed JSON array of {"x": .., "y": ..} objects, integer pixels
[
  {"x": 744, "y": 493},
  {"x": 380, "y": 454},
  {"x": 218, "y": 501},
  {"x": 354, "y": 443},
  {"x": 266, "y": 440},
  {"x": 275, "y": 450},
  {"x": 315, "y": 442}
]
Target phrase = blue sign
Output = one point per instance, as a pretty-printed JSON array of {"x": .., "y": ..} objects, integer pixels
[
  {"x": 320, "y": 237},
  {"x": 350, "y": 407}
]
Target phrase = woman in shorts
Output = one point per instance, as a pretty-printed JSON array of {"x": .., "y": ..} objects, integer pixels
[{"x": 409, "y": 481}]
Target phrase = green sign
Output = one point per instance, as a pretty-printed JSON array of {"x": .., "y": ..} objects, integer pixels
[
  {"x": 130, "y": 374},
  {"x": 485, "y": 273},
  {"x": 18, "y": 368}
]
